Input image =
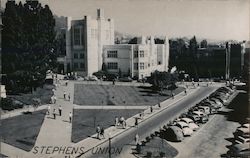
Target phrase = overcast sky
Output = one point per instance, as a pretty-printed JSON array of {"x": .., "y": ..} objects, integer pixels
[{"x": 212, "y": 19}]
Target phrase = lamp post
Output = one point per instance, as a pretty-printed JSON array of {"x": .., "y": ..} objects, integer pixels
[{"x": 109, "y": 145}]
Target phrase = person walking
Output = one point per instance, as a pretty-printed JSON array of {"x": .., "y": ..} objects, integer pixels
[
  {"x": 69, "y": 96},
  {"x": 159, "y": 105},
  {"x": 136, "y": 139},
  {"x": 151, "y": 109},
  {"x": 54, "y": 113},
  {"x": 102, "y": 133},
  {"x": 70, "y": 117},
  {"x": 116, "y": 121},
  {"x": 136, "y": 122},
  {"x": 98, "y": 131},
  {"x": 64, "y": 95},
  {"x": 48, "y": 112},
  {"x": 185, "y": 92},
  {"x": 60, "y": 110}
]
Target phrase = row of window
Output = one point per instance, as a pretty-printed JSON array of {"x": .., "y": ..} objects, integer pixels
[
  {"x": 78, "y": 36},
  {"x": 114, "y": 66},
  {"x": 142, "y": 66},
  {"x": 112, "y": 54},
  {"x": 78, "y": 56},
  {"x": 79, "y": 66},
  {"x": 141, "y": 54}
]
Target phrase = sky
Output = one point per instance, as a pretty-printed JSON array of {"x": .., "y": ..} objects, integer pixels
[{"x": 210, "y": 19}]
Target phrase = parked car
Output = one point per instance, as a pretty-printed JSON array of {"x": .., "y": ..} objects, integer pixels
[
  {"x": 190, "y": 123},
  {"x": 199, "y": 113},
  {"x": 91, "y": 78},
  {"x": 204, "y": 109},
  {"x": 174, "y": 133},
  {"x": 185, "y": 128},
  {"x": 242, "y": 140},
  {"x": 239, "y": 150},
  {"x": 125, "y": 79},
  {"x": 243, "y": 131}
]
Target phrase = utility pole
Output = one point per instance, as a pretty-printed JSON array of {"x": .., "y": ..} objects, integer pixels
[{"x": 228, "y": 54}]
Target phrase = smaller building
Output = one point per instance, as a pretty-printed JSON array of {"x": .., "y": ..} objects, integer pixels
[{"x": 136, "y": 60}]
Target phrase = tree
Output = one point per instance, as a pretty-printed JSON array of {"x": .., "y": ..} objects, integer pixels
[
  {"x": 133, "y": 41},
  {"x": 204, "y": 43},
  {"x": 28, "y": 43},
  {"x": 163, "y": 80}
]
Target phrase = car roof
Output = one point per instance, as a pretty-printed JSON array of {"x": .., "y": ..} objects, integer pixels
[
  {"x": 244, "y": 130},
  {"x": 187, "y": 119},
  {"x": 181, "y": 123},
  {"x": 246, "y": 125},
  {"x": 198, "y": 112},
  {"x": 242, "y": 146}
]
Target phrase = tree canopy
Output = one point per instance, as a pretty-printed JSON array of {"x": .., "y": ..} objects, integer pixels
[{"x": 28, "y": 38}]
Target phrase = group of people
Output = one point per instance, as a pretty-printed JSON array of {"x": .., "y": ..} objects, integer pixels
[
  {"x": 100, "y": 132},
  {"x": 65, "y": 96},
  {"x": 120, "y": 121},
  {"x": 54, "y": 113}
]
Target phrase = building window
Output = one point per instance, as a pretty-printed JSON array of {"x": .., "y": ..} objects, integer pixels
[
  {"x": 112, "y": 54},
  {"x": 113, "y": 66},
  {"x": 77, "y": 36},
  {"x": 81, "y": 56},
  {"x": 82, "y": 65},
  {"x": 136, "y": 54},
  {"x": 141, "y": 54},
  {"x": 75, "y": 65},
  {"x": 135, "y": 66},
  {"x": 75, "y": 55},
  {"x": 142, "y": 66}
]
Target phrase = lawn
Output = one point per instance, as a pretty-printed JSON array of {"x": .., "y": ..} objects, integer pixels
[
  {"x": 83, "y": 120},
  {"x": 44, "y": 94},
  {"x": 117, "y": 95},
  {"x": 21, "y": 131}
]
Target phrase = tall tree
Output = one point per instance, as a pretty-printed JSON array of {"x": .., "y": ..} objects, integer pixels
[{"x": 28, "y": 41}]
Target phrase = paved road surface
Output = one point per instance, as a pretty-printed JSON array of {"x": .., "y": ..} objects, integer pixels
[{"x": 125, "y": 140}]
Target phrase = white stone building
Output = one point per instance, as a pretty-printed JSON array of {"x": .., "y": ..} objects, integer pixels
[
  {"x": 90, "y": 44},
  {"x": 84, "y": 42},
  {"x": 136, "y": 60}
]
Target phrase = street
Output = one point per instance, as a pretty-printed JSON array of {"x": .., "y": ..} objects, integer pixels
[{"x": 126, "y": 139}]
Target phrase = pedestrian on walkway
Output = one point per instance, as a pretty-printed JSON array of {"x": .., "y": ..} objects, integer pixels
[
  {"x": 66, "y": 83},
  {"x": 102, "y": 133},
  {"x": 54, "y": 113},
  {"x": 172, "y": 95},
  {"x": 70, "y": 117},
  {"x": 48, "y": 112},
  {"x": 185, "y": 92},
  {"x": 136, "y": 139},
  {"x": 159, "y": 105},
  {"x": 124, "y": 124},
  {"x": 136, "y": 122},
  {"x": 55, "y": 99},
  {"x": 69, "y": 96},
  {"x": 60, "y": 110},
  {"x": 151, "y": 108},
  {"x": 64, "y": 95},
  {"x": 98, "y": 131},
  {"x": 116, "y": 121}
]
